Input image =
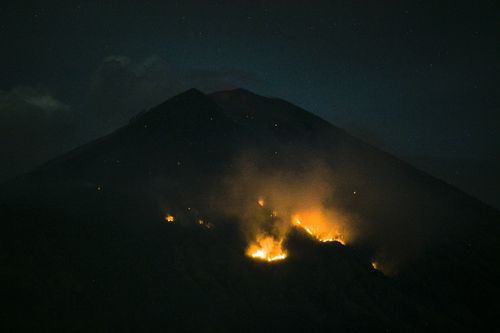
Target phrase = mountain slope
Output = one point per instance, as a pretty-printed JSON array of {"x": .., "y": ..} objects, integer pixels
[{"x": 85, "y": 245}]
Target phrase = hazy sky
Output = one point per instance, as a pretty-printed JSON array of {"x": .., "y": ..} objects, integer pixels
[{"x": 416, "y": 78}]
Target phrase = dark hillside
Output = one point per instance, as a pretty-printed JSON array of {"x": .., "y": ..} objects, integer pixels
[{"x": 85, "y": 245}]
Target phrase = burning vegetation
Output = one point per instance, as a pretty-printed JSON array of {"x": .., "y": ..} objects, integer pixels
[
  {"x": 268, "y": 204},
  {"x": 261, "y": 202},
  {"x": 269, "y": 200},
  {"x": 272, "y": 230},
  {"x": 317, "y": 224},
  {"x": 267, "y": 248}
]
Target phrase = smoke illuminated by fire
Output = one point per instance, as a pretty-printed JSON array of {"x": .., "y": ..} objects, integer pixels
[
  {"x": 281, "y": 203},
  {"x": 270, "y": 200},
  {"x": 317, "y": 224},
  {"x": 267, "y": 248}
]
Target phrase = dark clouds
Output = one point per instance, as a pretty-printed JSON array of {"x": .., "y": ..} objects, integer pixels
[
  {"x": 121, "y": 87},
  {"x": 35, "y": 125},
  {"x": 413, "y": 77}
]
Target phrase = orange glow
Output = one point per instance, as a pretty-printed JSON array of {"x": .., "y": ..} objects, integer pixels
[
  {"x": 317, "y": 224},
  {"x": 169, "y": 218},
  {"x": 261, "y": 202},
  {"x": 321, "y": 224},
  {"x": 375, "y": 265},
  {"x": 267, "y": 248}
]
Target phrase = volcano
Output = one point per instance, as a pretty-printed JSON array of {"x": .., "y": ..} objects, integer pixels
[{"x": 150, "y": 228}]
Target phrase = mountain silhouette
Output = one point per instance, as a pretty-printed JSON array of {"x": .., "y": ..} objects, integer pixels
[{"x": 85, "y": 244}]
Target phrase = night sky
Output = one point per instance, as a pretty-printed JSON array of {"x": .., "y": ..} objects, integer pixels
[{"x": 418, "y": 79}]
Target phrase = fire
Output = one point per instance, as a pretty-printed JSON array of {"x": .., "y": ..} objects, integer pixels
[
  {"x": 267, "y": 248},
  {"x": 375, "y": 265},
  {"x": 169, "y": 218},
  {"x": 321, "y": 224},
  {"x": 317, "y": 224}
]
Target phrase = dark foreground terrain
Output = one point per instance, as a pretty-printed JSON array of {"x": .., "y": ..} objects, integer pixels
[{"x": 85, "y": 247}]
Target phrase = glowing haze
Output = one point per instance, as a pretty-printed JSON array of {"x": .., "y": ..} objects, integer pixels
[
  {"x": 319, "y": 223},
  {"x": 269, "y": 202}
]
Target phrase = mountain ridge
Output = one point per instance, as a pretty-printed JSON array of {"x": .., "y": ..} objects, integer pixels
[
  {"x": 193, "y": 92},
  {"x": 88, "y": 228}
]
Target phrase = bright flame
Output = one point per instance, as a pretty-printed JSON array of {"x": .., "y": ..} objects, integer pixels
[
  {"x": 318, "y": 225},
  {"x": 375, "y": 265},
  {"x": 267, "y": 248},
  {"x": 169, "y": 218},
  {"x": 261, "y": 202}
]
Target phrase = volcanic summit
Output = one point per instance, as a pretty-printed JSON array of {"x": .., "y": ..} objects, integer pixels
[{"x": 233, "y": 212}]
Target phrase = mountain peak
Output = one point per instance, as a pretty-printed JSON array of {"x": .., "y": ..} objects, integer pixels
[
  {"x": 234, "y": 93},
  {"x": 241, "y": 91},
  {"x": 220, "y": 163},
  {"x": 190, "y": 93},
  {"x": 190, "y": 100}
]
